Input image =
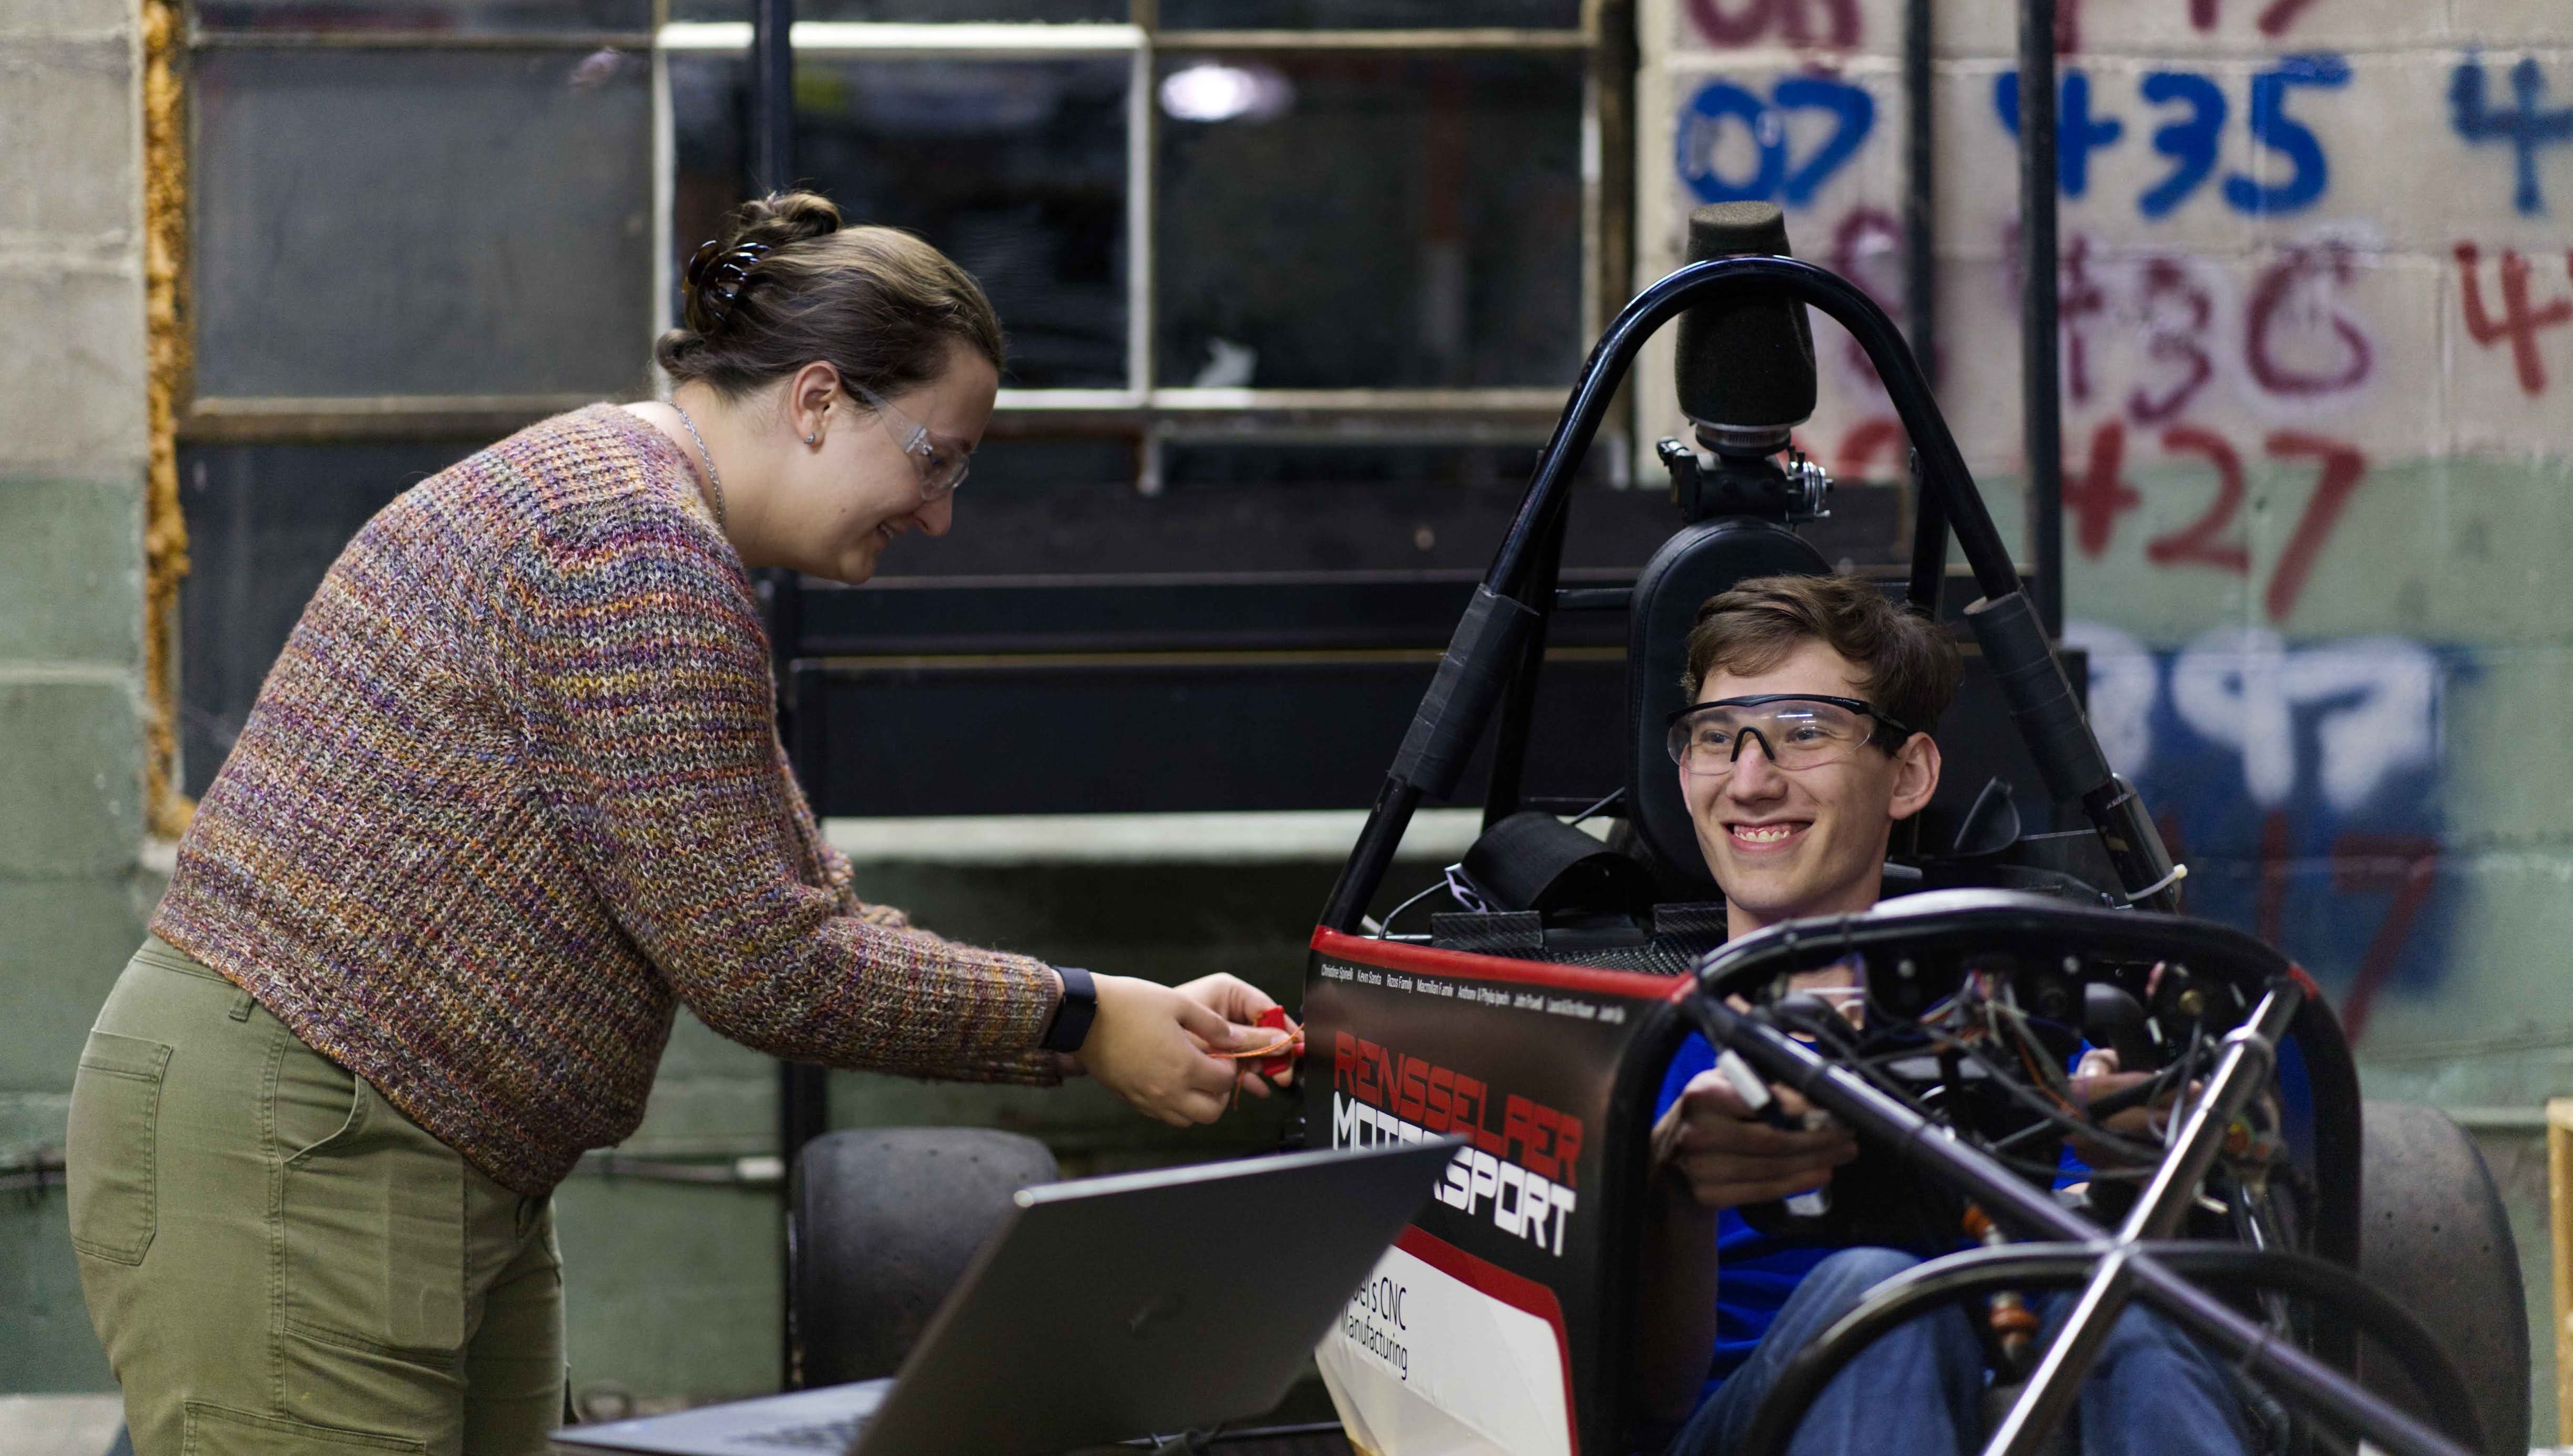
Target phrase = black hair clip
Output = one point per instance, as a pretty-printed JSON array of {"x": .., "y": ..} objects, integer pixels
[{"x": 718, "y": 275}]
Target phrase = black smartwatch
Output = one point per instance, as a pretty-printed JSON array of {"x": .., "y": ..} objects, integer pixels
[{"x": 1074, "y": 1014}]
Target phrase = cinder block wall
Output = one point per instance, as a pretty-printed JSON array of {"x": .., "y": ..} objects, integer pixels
[
  {"x": 2316, "y": 320},
  {"x": 72, "y": 444},
  {"x": 2315, "y": 513}
]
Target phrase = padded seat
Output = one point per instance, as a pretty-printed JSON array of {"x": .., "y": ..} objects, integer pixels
[{"x": 1695, "y": 563}]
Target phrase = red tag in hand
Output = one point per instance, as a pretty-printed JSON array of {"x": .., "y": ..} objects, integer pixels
[{"x": 1274, "y": 1018}]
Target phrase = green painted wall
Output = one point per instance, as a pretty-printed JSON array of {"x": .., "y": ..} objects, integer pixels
[{"x": 71, "y": 897}]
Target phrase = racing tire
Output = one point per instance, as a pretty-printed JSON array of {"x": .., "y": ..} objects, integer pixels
[
  {"x": 2433, "y": 1235},
  {"x": 881, "y": 1225}
]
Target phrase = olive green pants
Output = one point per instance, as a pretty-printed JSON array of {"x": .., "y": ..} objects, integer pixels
[{"x": 280, "y": 1263}]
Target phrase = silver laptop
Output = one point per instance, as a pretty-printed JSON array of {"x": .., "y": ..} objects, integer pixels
[{"x": 1103, "y": 1309}]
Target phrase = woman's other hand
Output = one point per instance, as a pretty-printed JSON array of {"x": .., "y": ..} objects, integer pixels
[{"x": 1149, "y": 1044}]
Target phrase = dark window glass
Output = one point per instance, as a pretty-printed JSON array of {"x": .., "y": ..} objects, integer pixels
[
  {"x": 1368, "y": 221},
  {"x": 458, "y": 17},
  {"x": 264, "y": 523},
  {"x": 409, "y": 222},
  {"x": 1071, "y": 508},
  {"x": 1017, "y": 169},
  {"x": 1369, "y": 14}
]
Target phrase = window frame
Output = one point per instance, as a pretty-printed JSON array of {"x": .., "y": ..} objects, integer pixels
[{"x": 1148, "y": 413}]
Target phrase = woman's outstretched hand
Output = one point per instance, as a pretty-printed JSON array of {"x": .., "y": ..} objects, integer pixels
[
  {"x": 1149, "y": 1044},
  {"x": 1246, "y": 1005}
]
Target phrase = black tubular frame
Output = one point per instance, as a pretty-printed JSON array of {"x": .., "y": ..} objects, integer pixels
[
  {"x": 2130, "y": 1263},
  {"x": 1517, "y": 572}
]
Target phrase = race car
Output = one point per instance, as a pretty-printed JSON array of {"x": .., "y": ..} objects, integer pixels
[{"x": 2352, "y": 1261}]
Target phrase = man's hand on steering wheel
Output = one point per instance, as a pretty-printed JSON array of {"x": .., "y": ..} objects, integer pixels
[{"x": 1712, "y": 1144}]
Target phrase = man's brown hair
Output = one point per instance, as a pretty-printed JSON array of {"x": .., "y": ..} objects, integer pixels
[{"x": 1908, "y": 664}]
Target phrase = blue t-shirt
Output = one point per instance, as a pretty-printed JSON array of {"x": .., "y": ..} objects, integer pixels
[{"x": 1758, "y": 1273}]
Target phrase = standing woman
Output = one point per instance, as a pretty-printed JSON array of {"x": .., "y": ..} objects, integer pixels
[{"x": 513, "y": 791}]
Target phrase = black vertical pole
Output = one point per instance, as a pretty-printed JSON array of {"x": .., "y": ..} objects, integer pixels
[
  {"x": 803, "y": 1090},
  {"x": 1518, "y": 697},
  {"x": 1919, "y": 224},
  {"x": 1920, "y": 293},
  {"x": 2039, "y": 386},
  {"x": 772, "y": 96}
]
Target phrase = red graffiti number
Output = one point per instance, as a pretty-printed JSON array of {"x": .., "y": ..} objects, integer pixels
[
  {"x": 2342, "y": 467},
  {"x": 2098, "y": 494},
  {"x": 2407, "y": 865},
  {"x": 1792, "y": 18},
  {"x": 2273, "y": 20},
  {"x": 2518, "y": 322},
  {"x": 2177, "y": 312},
  {"x": 2201, "y": 542},
  {"x": 2288, "y": 300}
]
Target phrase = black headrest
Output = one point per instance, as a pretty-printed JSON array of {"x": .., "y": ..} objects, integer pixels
[
  {"x": 1691, "y": 567},
  {"x": 1534, "y": 861}
]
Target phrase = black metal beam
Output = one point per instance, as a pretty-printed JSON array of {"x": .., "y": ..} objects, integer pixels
[
  {"x": 772, "y": 96},
  {"x": 803, "y": 1091},
  {"x": 2041, "y": 402}
]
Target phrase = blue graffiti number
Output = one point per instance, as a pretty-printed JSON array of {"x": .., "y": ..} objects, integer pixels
[
  {"x": 2525, "y": 127},
  {"x": 2271, "y": 127},
  {"x": 2191, "y": 144},
  {"x": 2077, "y": 135},
  {"x": 2193, "y": 137},
  {"x": 1777, "y": 177}
]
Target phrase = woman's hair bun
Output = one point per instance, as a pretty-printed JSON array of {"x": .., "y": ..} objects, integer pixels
[
  {"x": 782, "y": 218},
  {"x": 787, "y": 284}
]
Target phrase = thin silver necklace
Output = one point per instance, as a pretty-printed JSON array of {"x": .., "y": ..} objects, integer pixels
[{"x": 714, "y": 478}]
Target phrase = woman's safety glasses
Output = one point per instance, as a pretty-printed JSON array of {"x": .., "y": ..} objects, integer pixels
[
  {"x": 1796, "y": 731},
  {"x": 941, "y": 466}
]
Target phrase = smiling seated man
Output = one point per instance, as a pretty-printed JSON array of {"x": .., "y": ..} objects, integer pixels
[{"x": 1806, "y": 744}]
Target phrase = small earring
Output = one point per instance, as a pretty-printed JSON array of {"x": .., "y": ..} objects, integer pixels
[{"x": 814, "y": 438}]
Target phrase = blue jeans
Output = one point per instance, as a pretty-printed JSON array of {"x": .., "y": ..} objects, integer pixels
[{"x": 1918, "y": 1391}]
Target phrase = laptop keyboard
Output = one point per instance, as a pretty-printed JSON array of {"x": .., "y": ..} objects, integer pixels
[{"x": 819, "y": 1436}]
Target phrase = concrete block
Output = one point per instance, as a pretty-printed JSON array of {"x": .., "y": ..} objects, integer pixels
[
  {"x": 668, "y": 1290},
  {"x": 67, "y": 942},
  {"x": 67, "y": 17},
  {"x": 2509, "y": 784},
  {"x": 31, "y": 1122},
  {"x": 60, "y": 1425},
  {"x": 76, "y": 138},
  {"x": 46, "y": 1343},
  {"x": 2510, "y": 22},
  {"x": 712, "y": 1097},
  {"x": 2258, "y": 27},
  {"x": 71, "y": 570},
  {"x": 2507, "y": 553},
  {"x": 71, "y": 783},
  {"x": 71, "y": 376}
]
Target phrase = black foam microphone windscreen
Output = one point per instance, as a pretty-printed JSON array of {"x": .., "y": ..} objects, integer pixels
[{"x": 1746, "y": 367}]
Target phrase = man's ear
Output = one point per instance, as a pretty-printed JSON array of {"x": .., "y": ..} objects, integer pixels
[{"x": 1916, "y": 774}]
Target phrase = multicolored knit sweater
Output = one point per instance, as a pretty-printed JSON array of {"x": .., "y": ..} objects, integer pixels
[{"x": 514, "y": 788}]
